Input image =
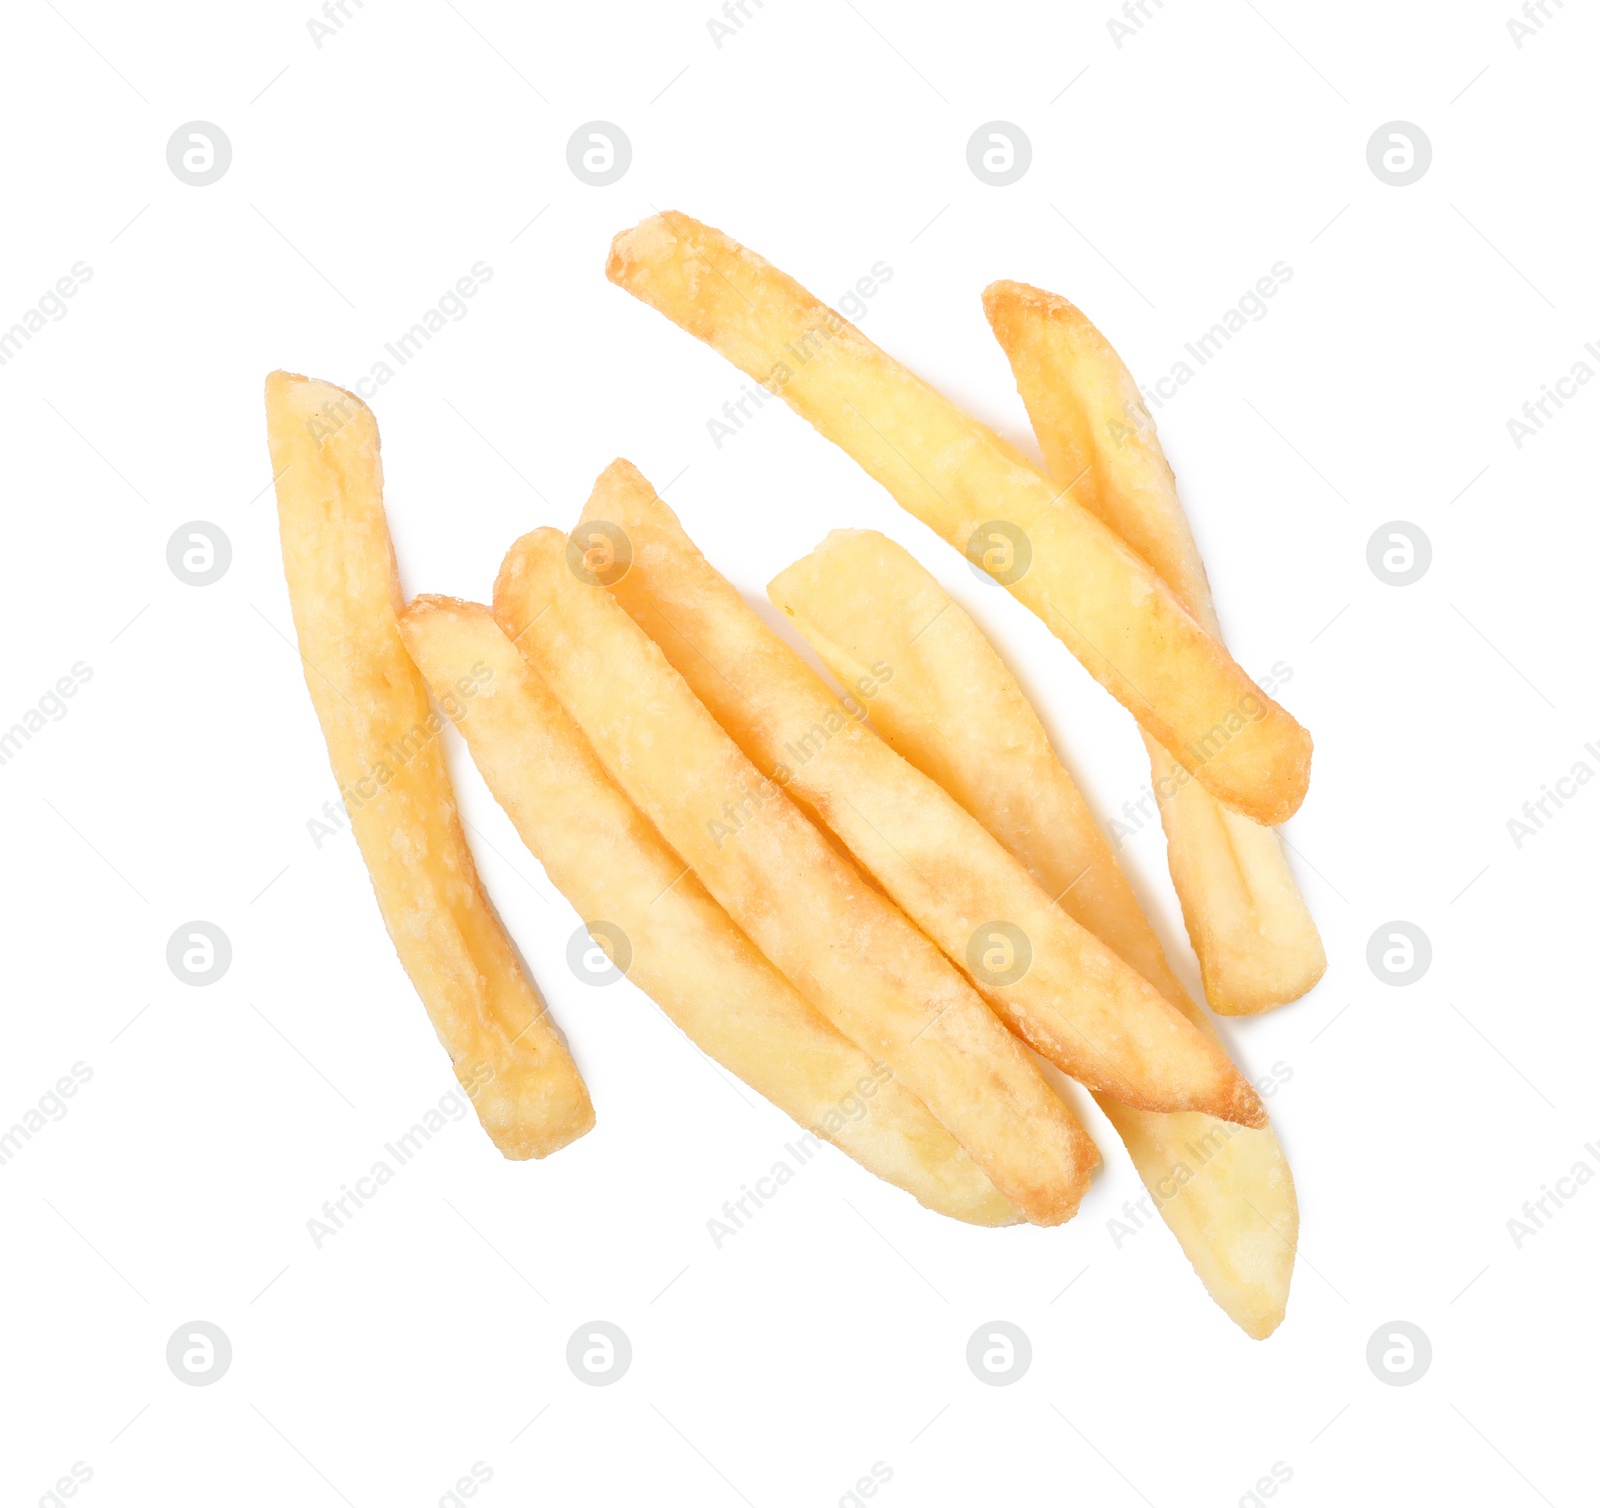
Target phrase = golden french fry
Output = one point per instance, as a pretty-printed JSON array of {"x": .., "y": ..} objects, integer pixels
[
  {"x": 1104, "y": 603},
  {"x": 1257, "y": 944},
  {"x": 846, "y": 949},
  {"x": 383, "y": 742},
  {"x": 1056, "y": 985},
  {"x": 682, "y": 948},
  {"x": 955, "y": 711}
]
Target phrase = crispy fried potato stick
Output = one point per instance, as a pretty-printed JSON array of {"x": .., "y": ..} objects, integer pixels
[
  {"x": 955, "y": 711},
  {"x": 1104, "y": 603},
  {"x": 1057, "y": 986},
  {"x": 383, "y": 742},
  {"x": 1257, "y": 944},
  {"x": 847, "y": 950},
  {"x": 683, "y": 950}
]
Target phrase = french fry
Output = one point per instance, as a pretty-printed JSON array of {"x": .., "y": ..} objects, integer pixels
[
  {"x": 1104, "y": 603},
  {"x": 955, "y": 711},
  {"x": 384, "y": 747},
  {"x": 683, "y": 950},
  {"x": 1257, "y": 944},
  {"x": 1058, "y": 987},
  {"x": 846, "y": 949}
]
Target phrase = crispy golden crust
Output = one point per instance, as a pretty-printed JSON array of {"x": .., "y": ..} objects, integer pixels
[
  {"x": 383, "y": 743},
  {"x": 1110, "y": 609},
  {"x": 683, "y": 950},
  {"x": 840, "y": 943},
  {"x": 1257, "y": 944},
  {"x": 954, "y": 710},
  {"x": 1075, "y": 1000}
]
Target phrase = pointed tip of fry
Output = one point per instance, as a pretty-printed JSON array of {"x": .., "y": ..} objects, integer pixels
[
  {"x": 619, "y": 475},
  {"x": 1004, "y": 297},
  {"x": 1245, "y": 1106}
]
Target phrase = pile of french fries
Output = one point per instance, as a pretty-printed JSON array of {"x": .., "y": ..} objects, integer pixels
[{"x": 895, "y": 893}]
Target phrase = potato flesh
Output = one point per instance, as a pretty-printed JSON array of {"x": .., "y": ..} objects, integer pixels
[
  {"x": 686, "y": 953},
  {"x": 1109, "y": 608},
  {"x": 955, "y": 711},
  {"x": 1251, "y": 930},
  {"x": 1076, "y": 1001},
  {"x": 383, "y": 742},
  {"x": 839, "y": 941}
]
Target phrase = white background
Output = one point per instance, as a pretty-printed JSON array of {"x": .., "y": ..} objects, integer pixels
[{"x": 1167, "y": 176}]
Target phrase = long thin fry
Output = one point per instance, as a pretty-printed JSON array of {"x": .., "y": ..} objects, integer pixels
[
  {"x": 383, "y": 743},
  {"x": 682, "y": 949},
  {"x": 1257, "y": 944},
  {"x": 1104, "y": 603},
  {"x": 955, "y": 711},
  {"x": 1059, "y": 988},
  {"x": 840, "y": 943}
]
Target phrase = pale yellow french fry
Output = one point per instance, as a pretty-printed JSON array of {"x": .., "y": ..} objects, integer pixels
[
  {"x": 1104, "y": 603},
  {"x": 383, "y": 743},
  {"x": 1250, "y": 927},
  {"x": 847, "y": 950},
  {"x": 1057, "y": 986},
  {"x": 681, "y": 947},
  {"x": 955, "y": 711}
]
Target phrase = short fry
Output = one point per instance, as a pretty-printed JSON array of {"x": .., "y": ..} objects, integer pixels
[
  {"x": 1104, "y": 603},
  {"x": 684, "y": 951},
  {"x": 1257, "y": 944},
  {"x": 852, "y": 954},
  {"x": 1056, "y": 985},
  {"x": 956, "y": 712},
  {"x": 383, "y": 744}
]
